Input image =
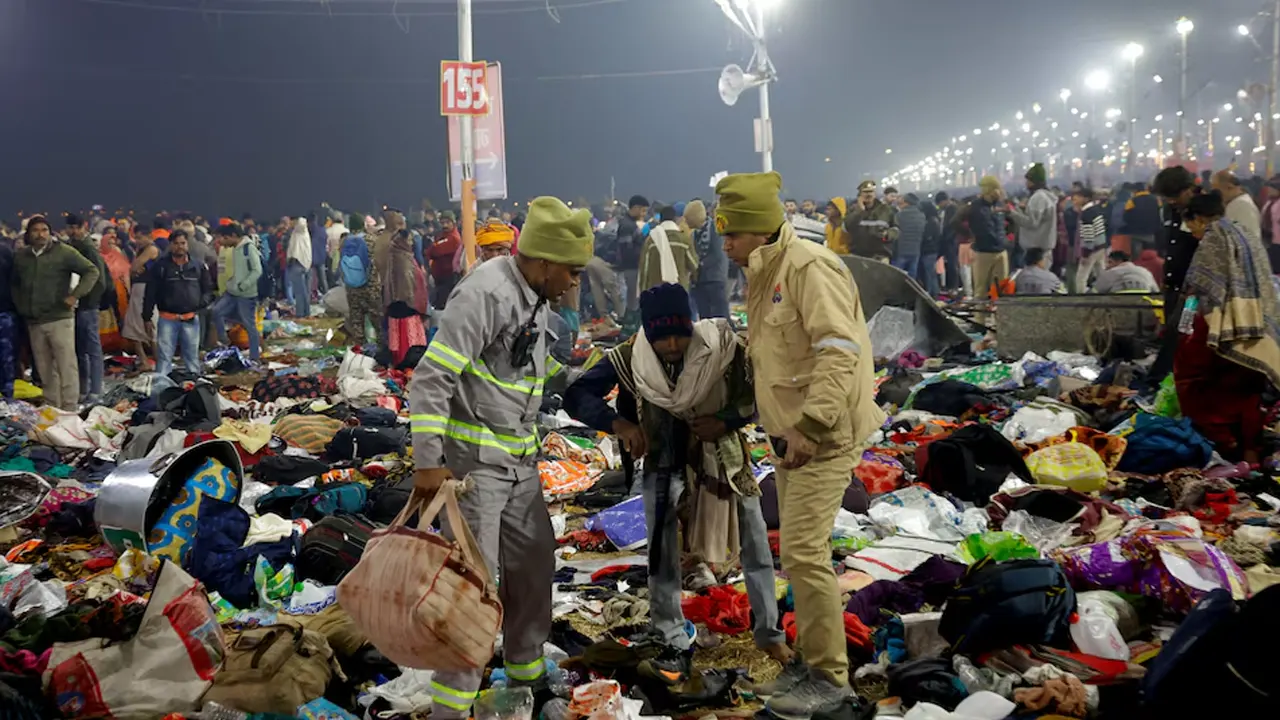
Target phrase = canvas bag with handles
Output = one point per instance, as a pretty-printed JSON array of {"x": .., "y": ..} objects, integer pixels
[{"x": 425, "y": 601}]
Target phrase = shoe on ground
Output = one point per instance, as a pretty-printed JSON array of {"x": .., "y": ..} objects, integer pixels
[
  {"x": 815, "y": 694},
  {"x": 793, "y": 673},
  {"x": 672, "y": 667}
]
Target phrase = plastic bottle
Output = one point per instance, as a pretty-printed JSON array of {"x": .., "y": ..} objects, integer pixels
[
  {"x": 969, "y": 674},
  {"x": 556, "y": 709},
  {"x": 1095, "y": 633}
]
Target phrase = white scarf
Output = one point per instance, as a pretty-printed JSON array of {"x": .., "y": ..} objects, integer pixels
[
  {"x": 666, "y": 259},
  {"x": 701, "y": 382}
]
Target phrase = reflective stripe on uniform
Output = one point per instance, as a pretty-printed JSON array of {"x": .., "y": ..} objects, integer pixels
[
  {"x": 553, "y": 366},
  {"x": 453, "y": 361},
  {"x": 473, "y": 434},
  {"x": 450, "y": 698},
  {"x": 526, "y": 672},
  {"x": 445, "y": 356},
  {"x": 839, "y": 344}
]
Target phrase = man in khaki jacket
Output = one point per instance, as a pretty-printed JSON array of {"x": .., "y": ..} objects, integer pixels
[{"x": 814, "y": 381}]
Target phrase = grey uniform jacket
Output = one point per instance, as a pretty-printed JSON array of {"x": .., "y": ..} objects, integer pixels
[{"x": 470, "y": 407}]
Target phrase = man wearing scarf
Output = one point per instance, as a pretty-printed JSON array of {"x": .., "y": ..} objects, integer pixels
[
  {"x": 815, "y": 391},
  {"x": 684, "y": 394},
  {"x": 668, "y": 255}
]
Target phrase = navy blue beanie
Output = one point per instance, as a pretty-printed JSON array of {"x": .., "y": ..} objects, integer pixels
[{"x": 664, "y": 311}]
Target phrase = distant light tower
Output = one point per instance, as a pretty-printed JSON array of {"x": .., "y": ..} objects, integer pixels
[{"x": 1184, "y": 28}]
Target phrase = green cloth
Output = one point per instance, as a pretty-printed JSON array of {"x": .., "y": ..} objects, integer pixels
[
  {"x": 748, "y": 203},
  {"x": 1037, "y": 174},
  {"x": 557, "y": 233},
  {"x": 87, "y": 248},
  {"x": 42, "y": 283}
]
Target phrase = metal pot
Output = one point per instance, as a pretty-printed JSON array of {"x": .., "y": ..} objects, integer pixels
[
  {"x": 137, "y": 492},
  {"x": 20, "y": 496}
]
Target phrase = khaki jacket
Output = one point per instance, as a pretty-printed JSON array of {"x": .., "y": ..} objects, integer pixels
[{"x": 809, "y": 345}]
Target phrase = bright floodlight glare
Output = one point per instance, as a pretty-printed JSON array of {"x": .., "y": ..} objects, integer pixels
[
  {"x": 1064, "y": 95},
  {"x": 1185, "y": 26},
  {"x": 1243, "y": 30},
  {"x": 1158, "y": 118},
  {"x": 1035, "y": 108},
  {"x": 1018, "y": 115},
  {"x": 1227, "y": 107},
  {"x": 1132, "y": 51},
  {"x": 888, "y": 151},
  {"x": 1157, "y": 78},
  {"x": 1097, "y": 80}
]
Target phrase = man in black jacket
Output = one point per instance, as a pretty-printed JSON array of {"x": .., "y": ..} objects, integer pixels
[
  {"x": 949, "y": 249},
  {"x": 990, "y": 247},
  {"x": 1177, "y": 186},
  {"x": 630, "y": 244},
  {"x": 180, "y": 287},
  {"x": 1142, "y": 222},
  {"x": 100, "y": 297}
]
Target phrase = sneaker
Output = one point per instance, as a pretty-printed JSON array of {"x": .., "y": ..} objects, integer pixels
[
  {"x": 813, "y": 695},
  {"x": 672, "y": 667},
  {"x": 793, "y": 673}
]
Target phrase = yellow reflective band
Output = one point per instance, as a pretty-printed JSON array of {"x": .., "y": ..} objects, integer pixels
[
  {"x": 530, "y": 386},
  {"x": 473, "y": 434},
  {"x": 450, "y": 698},
  {"x": 443, "y": 359},
  {"x": 527, "y": 671},
  {"x": 553, "y": 366},
  {"x": 445, "y": 349}
]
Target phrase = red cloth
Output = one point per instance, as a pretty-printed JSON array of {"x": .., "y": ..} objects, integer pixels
[
  {"x": 721, "y": 608},
  {"x": 441, "y": 254},
  {"x": 246, "y": 460},
  {"x": 1222, "y": 398},
  {"x": 1151, "y": 261},
  {"x": 856, "y": 634}
]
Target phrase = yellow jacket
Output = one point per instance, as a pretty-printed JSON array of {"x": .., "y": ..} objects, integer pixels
[
  {"x": 809, "y": 345},
  {"x": 837, "y": 236}
]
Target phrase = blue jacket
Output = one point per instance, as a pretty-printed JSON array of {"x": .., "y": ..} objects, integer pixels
[{"x": 713, "y": 263}]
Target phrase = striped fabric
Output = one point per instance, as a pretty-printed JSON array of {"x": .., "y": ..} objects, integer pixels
[{"x": 308, "y": 432}]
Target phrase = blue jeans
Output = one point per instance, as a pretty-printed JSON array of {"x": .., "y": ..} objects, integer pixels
[
  {"x": 89, "y": 353},
  {"x": 242, "y": 311},
  {"x": 182, "y": 335},
  {"x": 907, "y": 263},
  {"x": 711, "y": 299},
  {"x": 664, "y": 572},
  {"x": 8, "y": 353},
  {"x": 928, "y": 276},
  {"x": 300, "y": 286}
]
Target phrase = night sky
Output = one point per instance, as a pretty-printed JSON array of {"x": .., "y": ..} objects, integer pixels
[{"x": 263, "y": 108}]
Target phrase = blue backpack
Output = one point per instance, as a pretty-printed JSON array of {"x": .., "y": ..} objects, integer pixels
[{"x": 354, "y": 261}]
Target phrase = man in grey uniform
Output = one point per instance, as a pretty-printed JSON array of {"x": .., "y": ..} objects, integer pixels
[{"x": 473, "y": 401}]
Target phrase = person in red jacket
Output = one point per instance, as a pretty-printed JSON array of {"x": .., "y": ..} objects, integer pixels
[{"x": 443, "y": 256}]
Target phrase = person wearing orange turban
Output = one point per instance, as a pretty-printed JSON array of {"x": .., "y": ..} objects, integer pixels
[{"x": 494, "y": 239}]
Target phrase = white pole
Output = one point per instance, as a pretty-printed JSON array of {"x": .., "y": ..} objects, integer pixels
[
  {"x": 467, "y": 139},
  {"x": 766, "y": 130},
  {"x": 1182, "y": 93}
]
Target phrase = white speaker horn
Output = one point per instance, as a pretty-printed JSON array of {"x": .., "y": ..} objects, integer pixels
[{"x": 733, "y": 81}]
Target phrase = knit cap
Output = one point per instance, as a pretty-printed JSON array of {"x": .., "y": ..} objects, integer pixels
[
  {"x": 749, "y": 203},
  {"x": 664, "y": 311},
  {"x": 555, "y": 232}
]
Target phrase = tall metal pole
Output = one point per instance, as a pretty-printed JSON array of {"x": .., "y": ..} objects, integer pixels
[
  {"x": 1133, "y": 118},
  {"x": 766, "y": 129},
  {"x": 1182, "y": 94},
  {"x": 467, "y": 141},
  {"x": 1270, "y": 135}
]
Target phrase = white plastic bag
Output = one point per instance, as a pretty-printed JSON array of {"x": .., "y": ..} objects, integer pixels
[
  {"x": 1044, "y": 534},
  {"x": 892, "y": 331}
]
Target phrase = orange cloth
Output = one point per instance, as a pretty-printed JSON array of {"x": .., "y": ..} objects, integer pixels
[{"x": 495, "y": 232}]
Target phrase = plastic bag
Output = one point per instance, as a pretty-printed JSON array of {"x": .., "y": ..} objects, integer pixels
[
  {"x": 1073, "y": 465},
  {"x": 1034, "y": 424},
  {"x": 1000, "y": 546},
  {"x": 599, "y": 700},
  {"x": 1044, "y": 534},
  {"x": 1124, "y": 615},
  {"x": 504, "y": 704},
  {"x": 916, "y": 511},
  {"x": 892, "y": 331},
  {"x": 566, "y": 477},
  {"x": 1166, "y": 402}
]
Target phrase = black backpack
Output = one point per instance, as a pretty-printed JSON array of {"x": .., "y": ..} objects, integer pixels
[
  {"x": 971, "y": 463},
  {"x": 332, "y": 547},
  {"x": 363, "y": 443},
  {"x": 196, "y": 408},
  {"x": 999, "y": 605}
]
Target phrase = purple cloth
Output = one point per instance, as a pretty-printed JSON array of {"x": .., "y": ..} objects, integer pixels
[
  {"x": 936, "y": 578},
  {"x": 871, "y": 602}
]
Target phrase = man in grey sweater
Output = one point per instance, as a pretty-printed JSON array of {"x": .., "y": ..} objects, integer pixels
[
  {"x": 1038, "y": 223},
  {"x": 911, "y": 227}
]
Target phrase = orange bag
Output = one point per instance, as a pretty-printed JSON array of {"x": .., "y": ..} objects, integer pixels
[{"x": 425, "y": 601}]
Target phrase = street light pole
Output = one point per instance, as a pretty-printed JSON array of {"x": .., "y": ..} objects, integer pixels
[
  {"x": 1184, "y": 27},
  {"x": 466, "y": 141},
  {"x": 1270, "y": 135},
  {"x": 766, "y": 128}
]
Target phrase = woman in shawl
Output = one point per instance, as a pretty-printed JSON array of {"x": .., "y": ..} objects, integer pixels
[
  {"x": 1229, "y": 350},
  {"x": 404, "y": 292}
]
